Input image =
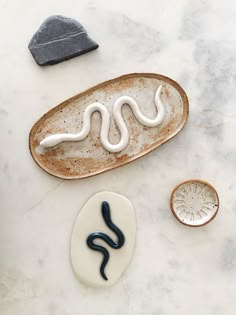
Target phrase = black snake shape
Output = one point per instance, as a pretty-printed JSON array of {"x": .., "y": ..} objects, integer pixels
[{"x": 102, "y": 236}]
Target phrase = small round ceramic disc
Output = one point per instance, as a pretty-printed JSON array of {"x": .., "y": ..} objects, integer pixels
[{"x": 194, "y": 202}]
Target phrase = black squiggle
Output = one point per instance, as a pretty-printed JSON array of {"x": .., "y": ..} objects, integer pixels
[{"x": 102, "y": 236}]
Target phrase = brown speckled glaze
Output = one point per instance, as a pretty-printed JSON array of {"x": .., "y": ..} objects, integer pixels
[
  {"x": 194, "y": 202},
  {"x": 71, "y": 160}
]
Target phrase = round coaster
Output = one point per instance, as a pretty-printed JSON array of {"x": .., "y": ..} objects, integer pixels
[{"x": 194, "y": 202}]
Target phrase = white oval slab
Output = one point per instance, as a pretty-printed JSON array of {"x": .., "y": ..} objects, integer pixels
[{"x": 85, "y": 261}]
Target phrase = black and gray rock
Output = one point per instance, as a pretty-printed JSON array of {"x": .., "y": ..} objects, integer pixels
[{"x": 60, "y": 38}]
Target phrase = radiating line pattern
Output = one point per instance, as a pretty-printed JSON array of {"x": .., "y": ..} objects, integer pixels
[{"x": 194, "y": 202}]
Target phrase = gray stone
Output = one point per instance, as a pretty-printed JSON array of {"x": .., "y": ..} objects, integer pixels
[{"x": 60, "y": 38}]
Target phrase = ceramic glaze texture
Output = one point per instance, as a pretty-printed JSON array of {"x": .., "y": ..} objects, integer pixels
[
  {"x": 194, "y": 202},
  {"x": 175, "y": 270},
  {"x": 87, "y": 262},
  {"x": 52, "y": 140},
  {"x": 85, "y": 158}
]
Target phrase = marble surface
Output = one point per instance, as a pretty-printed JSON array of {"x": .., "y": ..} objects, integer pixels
[{"x": 175, "y": 269}]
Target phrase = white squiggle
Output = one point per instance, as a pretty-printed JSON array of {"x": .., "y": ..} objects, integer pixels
[{"x": 53, "y": 140}]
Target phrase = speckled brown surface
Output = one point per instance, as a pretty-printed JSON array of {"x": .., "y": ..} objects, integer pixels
[
  {"x": 194, "y": 202},
  {"x": 73, "y": 160}
]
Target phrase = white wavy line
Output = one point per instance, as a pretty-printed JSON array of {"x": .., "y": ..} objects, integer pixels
[{"x": 51, "y": 141}]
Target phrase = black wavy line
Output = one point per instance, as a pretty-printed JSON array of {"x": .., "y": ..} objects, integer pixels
[{"x": 102, "y": 236}]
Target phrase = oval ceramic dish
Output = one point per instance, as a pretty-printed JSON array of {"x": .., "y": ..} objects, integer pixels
[{"x": 71, "y": 160}]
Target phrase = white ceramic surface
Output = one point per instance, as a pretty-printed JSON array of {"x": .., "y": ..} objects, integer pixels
[
  {"x": 52, "y": 140},
  {"x": 194, "y": 202},
  {"x": 175, "y": 269},
  {"x": 86, "y": 262}
]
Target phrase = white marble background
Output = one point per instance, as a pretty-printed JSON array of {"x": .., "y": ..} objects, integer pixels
[{"x": 175, "y": 269}]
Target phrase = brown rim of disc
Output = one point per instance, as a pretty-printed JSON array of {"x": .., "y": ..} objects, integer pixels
[
  {"x": 100, "y": 85},
  {"x": 189, "y": 181}
]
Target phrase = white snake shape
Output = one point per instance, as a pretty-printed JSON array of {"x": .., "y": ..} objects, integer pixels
[{"x": 51, "y": 141}]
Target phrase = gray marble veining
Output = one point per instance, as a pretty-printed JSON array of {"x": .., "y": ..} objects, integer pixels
[{"x": 188, "y": 271}]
